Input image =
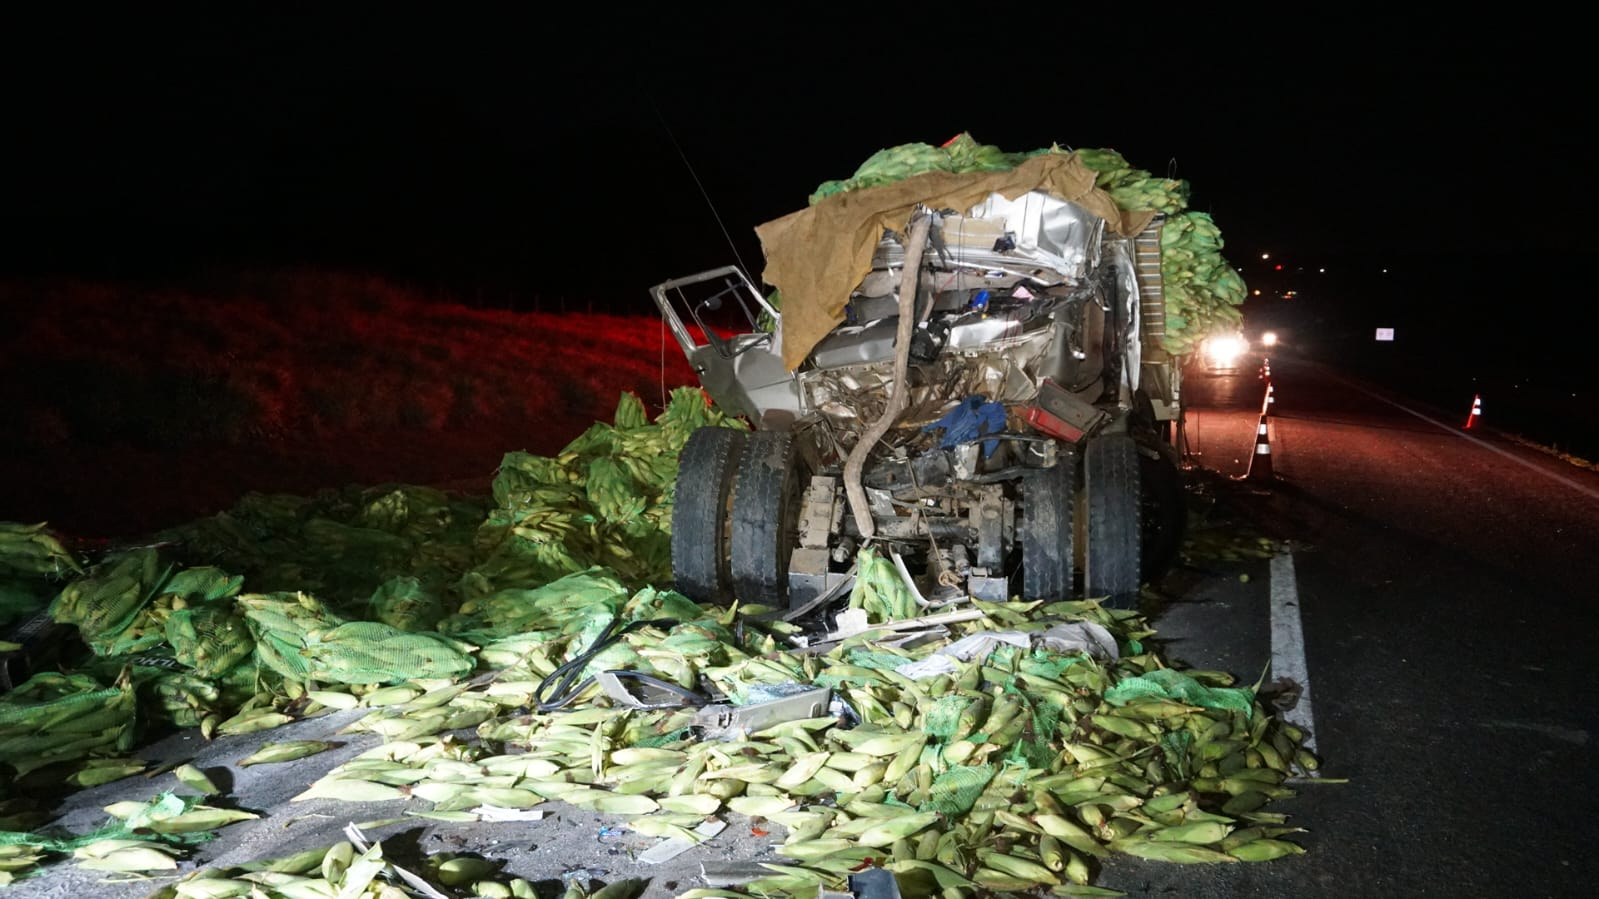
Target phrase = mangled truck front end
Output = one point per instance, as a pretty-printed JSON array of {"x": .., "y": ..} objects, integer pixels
[{"x": 996, "y": 452}]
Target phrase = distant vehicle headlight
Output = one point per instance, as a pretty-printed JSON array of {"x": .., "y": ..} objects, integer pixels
[
  {"x": 1225, "y": 349},
  {"x": 1269, "y": 338}
]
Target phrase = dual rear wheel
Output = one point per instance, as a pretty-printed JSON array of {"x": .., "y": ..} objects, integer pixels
[
  {"x": 735, "y": 514},
  {"x": 1103, "y": 526},
  {"x": 736, "y": 511}
]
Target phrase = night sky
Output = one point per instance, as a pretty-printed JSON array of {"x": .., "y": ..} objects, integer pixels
[{"x": 590, "y": 156}]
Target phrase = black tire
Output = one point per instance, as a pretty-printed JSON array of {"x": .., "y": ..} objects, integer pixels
[
  {"x": 1048, "y": 530},
  {"x": 700, "y": 512},
  {"x": 1165, "y": 509},
  {"x": 766, "y": 504},
  {"x": 1112, "y": 563}
]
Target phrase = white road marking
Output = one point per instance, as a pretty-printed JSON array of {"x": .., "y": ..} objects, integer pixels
[
  {"x": 1459, "y": 432},
  {"x": 1288, "y": 644}
]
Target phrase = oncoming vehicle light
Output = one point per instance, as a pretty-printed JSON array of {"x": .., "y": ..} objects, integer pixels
[
  {"x": 1225, "y": 349},
  {"x": 1269, "y": 338}
]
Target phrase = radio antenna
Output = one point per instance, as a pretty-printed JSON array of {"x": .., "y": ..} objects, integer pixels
[{"x": 697, "y": 183}]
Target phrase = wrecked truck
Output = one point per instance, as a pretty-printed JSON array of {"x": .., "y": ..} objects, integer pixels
[{"x": 988, "y": 405}]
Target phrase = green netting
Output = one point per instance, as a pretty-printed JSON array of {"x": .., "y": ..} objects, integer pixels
[
  {"x": 406, "y": 603},
  {"x": 178, "y": 696},
  {"x": 370, "y": 652},
  {"x": 282, "y": 656},
  {"x": 565, "y": 603},
  {"x": 943, "y": 716},
  {"x": 105, "y": 605},
  {"x": 1049, "y": 665},
  {"x": 875, "y": 660},
  {"x": 300, "y": 640},
  {"x": 955, "y": 791},
  {"x": 209, "y": 639},
  {"x": 1038, "y": 749},
  {"x": 1167, "y": 683},
  {"x": 50, "y": 698},
  {"x": 1177, "y": 747},
  {"x": 55, "y": 717},
  {"x": 204, "y": 584}
]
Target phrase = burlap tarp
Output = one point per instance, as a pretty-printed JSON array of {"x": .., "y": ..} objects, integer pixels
[{"x": 817, "y": 255}]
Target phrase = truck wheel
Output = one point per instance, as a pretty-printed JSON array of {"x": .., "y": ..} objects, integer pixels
[
  {"x": 705, "y": 469},
  {"x": 766, "y": 506},
  {"x": 1112, "y": 567},
  {"x": 1165, "y": 508},
  {"x": 1048, "y": 530}
]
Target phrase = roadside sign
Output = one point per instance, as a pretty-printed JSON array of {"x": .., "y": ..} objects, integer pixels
[{"x": 1385, "y": 333}]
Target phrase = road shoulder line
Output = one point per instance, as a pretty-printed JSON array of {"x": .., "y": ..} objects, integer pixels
[{"x": 1288, "y": 643}]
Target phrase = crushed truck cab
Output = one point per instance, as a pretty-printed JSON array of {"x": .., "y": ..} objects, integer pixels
[{"x": 991, "y": 408}]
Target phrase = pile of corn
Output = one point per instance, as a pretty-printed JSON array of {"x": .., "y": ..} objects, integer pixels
[
  {"x": 448, "y": 621},
  {"x": 31, "y": 558},
  {"x": 1203, "y": 291}
]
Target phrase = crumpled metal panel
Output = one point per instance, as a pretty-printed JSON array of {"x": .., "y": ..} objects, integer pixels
[
  {"x": 851, "y": 398},
  {"x": 1036, "y": 236},
  {"x": 873, "y": 342},
  {"x": 1124, "y": 255}
]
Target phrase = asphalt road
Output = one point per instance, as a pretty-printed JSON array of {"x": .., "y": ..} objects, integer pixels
[
  {"x": 1443, "y": 585},
  {"x": 1433, "y": 608}
]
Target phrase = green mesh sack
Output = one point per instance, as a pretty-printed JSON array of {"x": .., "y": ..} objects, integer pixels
[
  {"x": 54, "y": 717},
  {"x": 286, "y": 614},
  {"x": 209, "y": 639},
  {"x": 956, "y": 790},
  {"x": 181, "y": 697},
  {"x": 943, "y": 716},
  {"x": 1167, "y": 683},
  {"x": 405, "y": 603},
  {"x": 875, "y": 659},
  {"x": 557, "y": 604},
  {"x": 202, "y": 584},
  {"x": 105, "y": 603},
  {"x": 370, "y": 652},
  {"x": 145, "y": 632},
  {"x": 1045, "y": 715},
  {"x": 281, "y": 623},
  {"x": 282, "y": 655},
  {"x": 1048, "y": 665},
  {"x": 134, "y": 827}
]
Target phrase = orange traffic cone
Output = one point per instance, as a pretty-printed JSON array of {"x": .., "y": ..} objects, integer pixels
[
  {"x": 1271, "y": 398},
  {"x": 1475, "y": 413},
  {"x": 1265, "y": 370},
  {"x": 1260, "y": 462}
]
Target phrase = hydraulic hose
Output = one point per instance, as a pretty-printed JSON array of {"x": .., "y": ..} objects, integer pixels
[{"x": 910, "y": 280}]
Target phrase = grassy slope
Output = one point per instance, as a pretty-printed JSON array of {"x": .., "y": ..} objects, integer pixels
[{"x": 131, "y": 409}]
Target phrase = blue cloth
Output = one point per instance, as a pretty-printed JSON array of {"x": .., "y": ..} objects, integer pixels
[{"x": 975, "y": 417}]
